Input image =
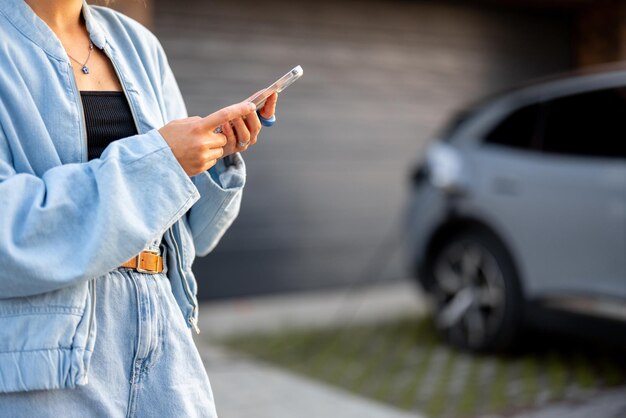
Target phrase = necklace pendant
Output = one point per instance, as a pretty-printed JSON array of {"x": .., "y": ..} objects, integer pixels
[{"x": 85, "y": 69}]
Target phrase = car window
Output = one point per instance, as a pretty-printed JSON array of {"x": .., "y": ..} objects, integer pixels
[
  {"x": 589, "y": 124},
  {"x": 518, "y": 130}
]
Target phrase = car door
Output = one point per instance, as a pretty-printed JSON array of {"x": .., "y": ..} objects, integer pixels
[{"x": 555, "y": 179}]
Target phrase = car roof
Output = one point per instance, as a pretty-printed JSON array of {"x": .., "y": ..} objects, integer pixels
[{"x": 582, "y": 80}]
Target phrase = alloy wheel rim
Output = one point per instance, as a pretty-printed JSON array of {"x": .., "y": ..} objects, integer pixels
[{"x": 469, "y": 292}]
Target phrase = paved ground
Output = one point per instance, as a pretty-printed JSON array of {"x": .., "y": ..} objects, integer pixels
[
  {"x": 365, "y": 304},
  {"x": 248, "y": 388},
  {"x": 607, "y": 404}
]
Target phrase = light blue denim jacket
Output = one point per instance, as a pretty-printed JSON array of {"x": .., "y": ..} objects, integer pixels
[{"x": 65, "y": 221}]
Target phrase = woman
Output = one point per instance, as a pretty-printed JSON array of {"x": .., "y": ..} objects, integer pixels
[{"x": 107, "y": 192}]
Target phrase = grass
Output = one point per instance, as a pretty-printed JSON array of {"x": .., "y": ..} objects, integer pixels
[
  {"x": 529, "y": 379},
  {"x": 405, "y": 364},
  {"x": 438, "y": 401},
  {"x": 469, "y": 396},
  {"x": 557, "y": 376},
  {"x": 498, "y": 388}
]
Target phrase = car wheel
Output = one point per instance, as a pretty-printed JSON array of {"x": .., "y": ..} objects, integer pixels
[{"x": 476, "y": 292}]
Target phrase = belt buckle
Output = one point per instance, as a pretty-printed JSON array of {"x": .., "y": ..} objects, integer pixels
[{"x": 147, "y": 271}]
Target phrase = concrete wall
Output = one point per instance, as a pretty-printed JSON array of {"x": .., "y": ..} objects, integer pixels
[
  {"x": 600, "y": 25},
  {"x": 329, "y": 181}
]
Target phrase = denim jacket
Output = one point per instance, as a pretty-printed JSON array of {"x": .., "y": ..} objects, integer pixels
[{"x": 65, "y": 221}]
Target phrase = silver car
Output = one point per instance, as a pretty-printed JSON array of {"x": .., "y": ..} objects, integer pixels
[{"x": 521, "y": 204}]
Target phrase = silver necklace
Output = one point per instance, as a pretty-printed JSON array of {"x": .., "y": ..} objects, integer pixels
[{"x": 84, "y": 68}]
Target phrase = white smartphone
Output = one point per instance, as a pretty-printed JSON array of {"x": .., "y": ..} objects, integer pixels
[{"x": 279, "y": 85}]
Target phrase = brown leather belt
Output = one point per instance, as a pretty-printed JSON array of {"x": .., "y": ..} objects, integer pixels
[{"x": 145, "y": 262}]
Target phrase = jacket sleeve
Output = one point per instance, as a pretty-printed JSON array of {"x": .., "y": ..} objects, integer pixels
[
  {"x": 220, "y": 187},
  {"x": 79, "y": 221}
]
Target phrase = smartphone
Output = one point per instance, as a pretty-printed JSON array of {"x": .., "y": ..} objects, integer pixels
[
  {"x": 279, "y": 85},
  {"x": 276, "y": 87}
]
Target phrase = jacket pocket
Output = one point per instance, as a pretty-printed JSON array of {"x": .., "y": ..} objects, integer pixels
[{"x": 46, "y": 340}]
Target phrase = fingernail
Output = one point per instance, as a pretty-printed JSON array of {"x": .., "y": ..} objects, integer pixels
[{"x": 251, "y": 106}]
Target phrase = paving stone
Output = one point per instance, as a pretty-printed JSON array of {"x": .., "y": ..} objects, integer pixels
[
  {"x": 248, "y": 388},
  {"x": 245, "y": 387},
  {"x": 605, "y": 404}
]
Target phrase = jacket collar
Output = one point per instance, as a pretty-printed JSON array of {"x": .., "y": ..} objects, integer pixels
[{"x": 30, "y": 25}]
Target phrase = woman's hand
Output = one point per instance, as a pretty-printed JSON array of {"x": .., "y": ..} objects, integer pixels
[
  {"x": 195, "y": 144},
  {"x": 243, "y": 132}
]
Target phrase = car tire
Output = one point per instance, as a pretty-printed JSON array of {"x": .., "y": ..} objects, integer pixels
[{"x": 476, "y": 291}]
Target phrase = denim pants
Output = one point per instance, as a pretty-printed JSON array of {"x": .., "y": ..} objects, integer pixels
[{"x": 144, "y": 364}]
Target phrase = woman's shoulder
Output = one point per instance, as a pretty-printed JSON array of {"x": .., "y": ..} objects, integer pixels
[{"x": 118, "y": 24}]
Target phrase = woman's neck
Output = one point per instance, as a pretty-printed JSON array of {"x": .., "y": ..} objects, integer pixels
[{"x": 62, "y": 16}]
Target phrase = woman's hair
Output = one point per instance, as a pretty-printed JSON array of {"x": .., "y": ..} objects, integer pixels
[{"x": 110, "y": 2}]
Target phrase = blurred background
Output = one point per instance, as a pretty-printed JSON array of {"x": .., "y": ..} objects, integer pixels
[
  {"x": 330, "y": 180},
  {"x": 317, "y": 274}
]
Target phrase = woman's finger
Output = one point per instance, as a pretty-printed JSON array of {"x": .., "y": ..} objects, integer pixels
[
  {"x": 269, "y": 108},
  {"x": 222, "y": 116},
  {"x": 216, "y": 141},
  {"x": 208, "y": 164},
  {"x": 228, "y": 131},
  {"x": 243, "y": 134},
  {"x": 213, "y": 154},
  {"x": 254, "y": 127}
]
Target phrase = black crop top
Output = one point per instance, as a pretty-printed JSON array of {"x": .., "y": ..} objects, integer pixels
[{"x": 107, "y": 119}]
